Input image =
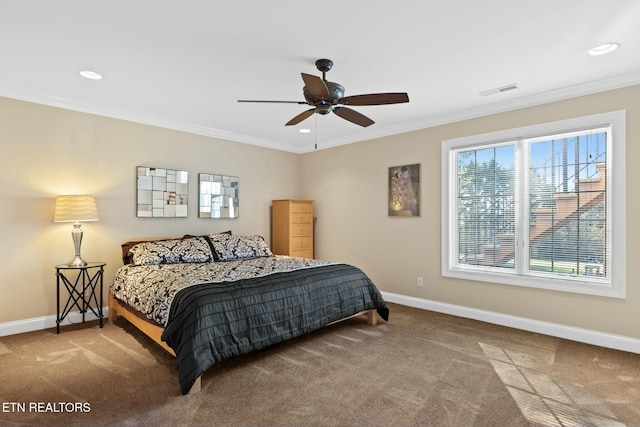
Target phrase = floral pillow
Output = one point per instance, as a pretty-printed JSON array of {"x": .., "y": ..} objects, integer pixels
[
  {"x": 228, "y": 248},
  {"x": 192, "y": 249}
]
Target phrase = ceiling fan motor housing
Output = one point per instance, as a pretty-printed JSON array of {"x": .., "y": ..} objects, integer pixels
[{"x": 324, "y": 105}]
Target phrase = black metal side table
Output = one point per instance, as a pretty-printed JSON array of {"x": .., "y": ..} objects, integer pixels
[{"x": 85, "y": 289}]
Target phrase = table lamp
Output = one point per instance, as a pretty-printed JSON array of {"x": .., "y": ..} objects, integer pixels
[{"x": 76, "y": 209}]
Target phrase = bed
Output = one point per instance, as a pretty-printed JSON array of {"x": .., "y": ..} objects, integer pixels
[{"x": 208, "y": 298}]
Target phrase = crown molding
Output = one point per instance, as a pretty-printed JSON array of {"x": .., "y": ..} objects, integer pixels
[
  {"x": 438, "y": 120},
  {"x": 598, "y": 86}
]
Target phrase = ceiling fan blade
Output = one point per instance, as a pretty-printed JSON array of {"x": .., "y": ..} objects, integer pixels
[
  {"x": 376, "y": 99},
  {"x": 272, "y": 102},
  {"x": 316, "y": 86},
  {"x": 353, "y": 116},
  {"x": 300, "y": 117}
]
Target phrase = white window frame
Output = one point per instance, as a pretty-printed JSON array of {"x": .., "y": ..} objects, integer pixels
[{"x": 615, "y": 285}]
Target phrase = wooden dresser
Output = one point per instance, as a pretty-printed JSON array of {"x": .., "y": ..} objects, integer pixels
[{"x": 292, "y": 227}]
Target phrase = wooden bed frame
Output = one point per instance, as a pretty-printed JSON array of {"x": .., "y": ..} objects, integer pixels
[{"x": 154, "y": 331}]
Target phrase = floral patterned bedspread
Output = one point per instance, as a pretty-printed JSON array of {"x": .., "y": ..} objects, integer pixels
[{"x": 150, "y": 289}]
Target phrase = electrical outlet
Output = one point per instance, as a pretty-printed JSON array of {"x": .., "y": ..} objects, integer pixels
[{"x": 420, "y": 282}]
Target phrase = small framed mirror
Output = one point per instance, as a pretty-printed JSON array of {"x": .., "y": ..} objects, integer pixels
[
  {"x": 219, "y": 196},
  {"x": 161, "y": 193}
]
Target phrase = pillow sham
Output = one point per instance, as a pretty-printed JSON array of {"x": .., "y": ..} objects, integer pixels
[
  {"x": 198, "y": 235},
  {"x": 192, "y": 249},
  {"x": 228, "y": 248}
]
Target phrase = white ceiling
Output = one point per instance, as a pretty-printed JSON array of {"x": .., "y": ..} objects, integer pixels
[{"x": 184, "y": 64}]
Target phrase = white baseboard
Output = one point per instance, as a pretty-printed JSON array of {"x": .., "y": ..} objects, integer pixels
[
  {"x": 39, "y": 323},
  {"x": 617, "y": 342}
]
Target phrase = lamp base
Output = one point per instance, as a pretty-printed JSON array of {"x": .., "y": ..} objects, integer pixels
[
  {"x": 76, "y": 235},
  {"x": 77, "y": 262}
]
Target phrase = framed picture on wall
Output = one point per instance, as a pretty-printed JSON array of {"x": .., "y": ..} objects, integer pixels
[{"x": 404, "y": 190}]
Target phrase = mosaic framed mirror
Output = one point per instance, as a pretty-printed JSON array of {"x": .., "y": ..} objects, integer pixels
[
  {"x": 219, "y": 196},
  {"x": 161, "y": 193}
]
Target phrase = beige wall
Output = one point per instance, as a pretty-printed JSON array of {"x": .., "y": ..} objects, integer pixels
[
  {"x": 349, "y": 184},
  {"x": 48, "y": 151}
]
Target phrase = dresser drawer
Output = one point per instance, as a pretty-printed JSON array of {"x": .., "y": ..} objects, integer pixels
[
  {"x": 299, "y": 243},
  {"x": 302, "y": 253},
  {"x": 301, "y": 218},
  {"x": 300, "y": 229},
  {"x": 300, "y": 207}
]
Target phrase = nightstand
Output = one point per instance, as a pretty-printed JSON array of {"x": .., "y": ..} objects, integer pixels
[{"x": 84, "y": 287}]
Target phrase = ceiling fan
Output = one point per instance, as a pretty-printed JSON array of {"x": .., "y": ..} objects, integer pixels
[{"x": 326, "y": 97}]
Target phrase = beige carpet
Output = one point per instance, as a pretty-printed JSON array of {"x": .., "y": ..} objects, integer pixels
[{"x": 419, "y": 369}]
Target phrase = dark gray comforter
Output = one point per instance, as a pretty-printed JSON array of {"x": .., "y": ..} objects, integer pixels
[{"x": 215, "y": 321}]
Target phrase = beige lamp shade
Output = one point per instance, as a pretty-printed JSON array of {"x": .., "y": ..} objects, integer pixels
[{"x": 75, "y": 209}]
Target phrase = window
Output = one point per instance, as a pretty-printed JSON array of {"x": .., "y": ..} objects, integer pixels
[{"x": 541, "y": 206}]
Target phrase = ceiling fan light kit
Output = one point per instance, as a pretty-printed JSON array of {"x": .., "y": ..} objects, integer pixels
[{"x": 326, "y": 97}]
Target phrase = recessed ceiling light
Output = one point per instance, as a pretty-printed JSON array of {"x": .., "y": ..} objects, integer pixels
[
  {"x": 304, "y": 130},
  {"x": 603, "y": 49},
  {"x": 91, "y": 75}
]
